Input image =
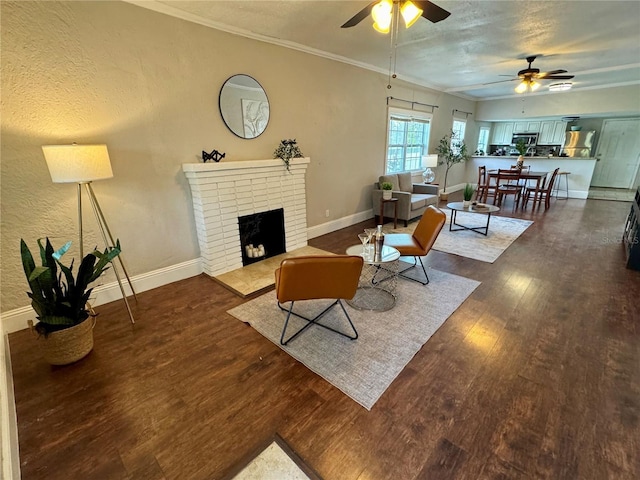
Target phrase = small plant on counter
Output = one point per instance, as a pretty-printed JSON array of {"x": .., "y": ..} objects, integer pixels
[
  {"x": 468, "y": 192},
  {"x": 287, "y": 150},
  {"x": 521, "y": 147}
]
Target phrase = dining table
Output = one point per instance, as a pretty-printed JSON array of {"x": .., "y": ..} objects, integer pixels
[{"x": 524, "y": 175}]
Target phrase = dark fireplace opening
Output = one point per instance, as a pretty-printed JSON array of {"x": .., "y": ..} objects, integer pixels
[{"x": 261, "y": 235}]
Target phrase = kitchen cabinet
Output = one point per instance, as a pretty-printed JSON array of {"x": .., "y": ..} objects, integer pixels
[
  {"x": 502, "y": 133},
  {"x": 520, "y": 127},
  {"x": 552, "y": 132},
  {"x": 533, "y": 127}
]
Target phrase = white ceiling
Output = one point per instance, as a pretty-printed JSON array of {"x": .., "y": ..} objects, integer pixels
[{"x": 597, "y": 41}]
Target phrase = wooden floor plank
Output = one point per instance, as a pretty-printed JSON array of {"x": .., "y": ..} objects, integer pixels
[{"x": 536, "y": 375}]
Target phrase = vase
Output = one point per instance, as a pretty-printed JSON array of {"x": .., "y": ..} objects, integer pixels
[
  {"x": 520, "y": 162},
  {"x": 69, "y": 345},
  {"x": 466, "y": 203},
  {"x": 386, "y": 194}
]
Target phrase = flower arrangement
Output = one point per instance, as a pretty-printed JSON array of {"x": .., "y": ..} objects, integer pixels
[{"x": 287, "y": 150}]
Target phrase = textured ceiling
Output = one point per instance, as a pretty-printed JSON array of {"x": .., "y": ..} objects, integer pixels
[{"x": 597, "y": 41}]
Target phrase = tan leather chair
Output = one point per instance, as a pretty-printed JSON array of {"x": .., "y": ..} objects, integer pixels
[
  {"x": 317, "y": 277},
  {"x": 418, "y": 244}
]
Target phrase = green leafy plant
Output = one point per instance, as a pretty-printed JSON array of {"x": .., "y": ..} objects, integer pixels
[
  {"x": 59, "y": 299},
  {"x": 521, "y": 147},
  {"x": 287, "y": 150},
  {"x": 386, "y": 186},
  {"x": 468, "y": 192},
  {"x": 450, "y": 152}
]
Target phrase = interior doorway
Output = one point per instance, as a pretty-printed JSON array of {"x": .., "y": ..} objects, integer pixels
[{"x": 618, "y": 154}]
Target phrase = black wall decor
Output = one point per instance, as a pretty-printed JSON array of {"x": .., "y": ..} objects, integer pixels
[{"x": 215, "y": 155}]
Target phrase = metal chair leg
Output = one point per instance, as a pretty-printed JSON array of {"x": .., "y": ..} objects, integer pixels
[
  {"x": 415, "y": 264},
  {"x": 314, "y": 321}
]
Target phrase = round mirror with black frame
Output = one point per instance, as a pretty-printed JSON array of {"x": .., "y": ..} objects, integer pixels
[{"x": 244, "y": 106}]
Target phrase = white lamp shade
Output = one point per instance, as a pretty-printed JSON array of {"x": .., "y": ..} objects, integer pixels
[
  {"x": 77, "y": 163},
  {"x": 430, "y": 161}
]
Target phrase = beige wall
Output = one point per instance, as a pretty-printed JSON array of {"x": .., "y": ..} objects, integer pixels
[
  {"x": 147, "y": 85},
  {"x": 610, "y": 102}
]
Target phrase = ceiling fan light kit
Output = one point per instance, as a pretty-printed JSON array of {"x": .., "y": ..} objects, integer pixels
[
  {"x": 410, "y": 13},
  {"x": 411, "y": 10},
  {"x": 381, "y": 13}
]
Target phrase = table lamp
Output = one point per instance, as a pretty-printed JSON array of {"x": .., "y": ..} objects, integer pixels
[
  {"x": 83, "y": 164},
  {"x": 429, "y": 162}
]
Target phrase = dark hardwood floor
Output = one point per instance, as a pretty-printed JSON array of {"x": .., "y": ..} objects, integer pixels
[{"x": 535, "y": 376}]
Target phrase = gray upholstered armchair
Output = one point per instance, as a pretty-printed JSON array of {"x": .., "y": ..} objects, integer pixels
[{"x": 413, "y": 198}]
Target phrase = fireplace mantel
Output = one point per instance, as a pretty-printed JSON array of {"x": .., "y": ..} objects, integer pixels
[{"x": 222, "y": 192}]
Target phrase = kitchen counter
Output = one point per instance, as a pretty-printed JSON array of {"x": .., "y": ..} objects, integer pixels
[{"x": 581, "y": 169}]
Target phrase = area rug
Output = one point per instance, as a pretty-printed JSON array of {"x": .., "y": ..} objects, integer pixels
[
  {"x": 363, "y": 368},
  {"x": 277, "y": 461},
  {"x": 503, "y": 231}
]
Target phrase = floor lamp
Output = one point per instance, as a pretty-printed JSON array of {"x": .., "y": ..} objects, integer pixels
[{"x": 83, "y": 164}]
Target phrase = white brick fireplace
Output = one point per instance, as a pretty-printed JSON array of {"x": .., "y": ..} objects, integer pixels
[{"x": 224, "y": 191}]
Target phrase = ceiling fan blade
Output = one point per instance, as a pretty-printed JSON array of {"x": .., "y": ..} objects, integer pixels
[
  {"x": 502, "y": 81},
  {"x": 558, "y": 77},
  {"x": 358, "y": 17},
  {"x": 431, "y": 11},
  {"x": 552, "y": 72}
]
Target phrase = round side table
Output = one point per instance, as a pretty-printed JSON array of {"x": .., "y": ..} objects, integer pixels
[{"x": 378, "y": 280}]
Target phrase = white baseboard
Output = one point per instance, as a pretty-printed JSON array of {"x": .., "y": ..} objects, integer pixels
[
  {"x": 16, "y": 319},
  {"x": 10, "y": 465},
  {"x": 333, "y": 225}
]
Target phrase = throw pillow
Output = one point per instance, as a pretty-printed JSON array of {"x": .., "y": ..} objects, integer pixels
[
  {"x": 405, "y": 183},
  {"x": 392, "y": 179}
]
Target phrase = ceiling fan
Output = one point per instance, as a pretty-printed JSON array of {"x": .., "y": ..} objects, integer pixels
[
  {"x": 529, "y": 75},
  {"x": 411, "y": 10}
]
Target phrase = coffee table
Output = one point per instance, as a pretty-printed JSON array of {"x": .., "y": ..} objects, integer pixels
[
  {"x": 456, "y": 207},
  {"x": 378, "y": 280}
]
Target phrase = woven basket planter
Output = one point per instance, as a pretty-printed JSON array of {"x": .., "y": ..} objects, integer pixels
[{"x": 69, "y": 345}]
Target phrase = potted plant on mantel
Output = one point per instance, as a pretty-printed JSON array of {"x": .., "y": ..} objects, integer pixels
[
  {"x": 60, "y": 300},
  {"x": 450, "y": 152},
  {"x": 287, "y": 150}
]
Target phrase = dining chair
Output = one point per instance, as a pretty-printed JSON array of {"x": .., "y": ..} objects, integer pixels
[
  {"x": 524, "y": 183},
  {"x": 485, "y": 188},
  {"x": 418, "y": 243},
  {"x": 508, "y": 183},
  {"x": 544, "y": 193},
  {"x": 315, "y": 277}
]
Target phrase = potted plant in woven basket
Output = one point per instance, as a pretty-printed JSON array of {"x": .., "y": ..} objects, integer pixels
[{"x": 65, "y": 319}]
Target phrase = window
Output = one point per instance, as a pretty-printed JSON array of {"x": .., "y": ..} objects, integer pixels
[
  {"x": 483, "y": 139},
  {"x": 408, "y": 140},
  {"x": 458, "y": 129}
]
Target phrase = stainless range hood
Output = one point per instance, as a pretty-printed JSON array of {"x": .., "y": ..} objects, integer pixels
[{"x": 578, "y": 144}]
